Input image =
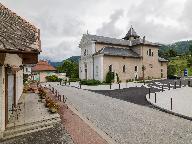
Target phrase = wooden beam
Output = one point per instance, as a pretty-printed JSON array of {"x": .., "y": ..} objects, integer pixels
[
  {"x": 30, "y": 58},
  {"x": 2, "y": 58}
]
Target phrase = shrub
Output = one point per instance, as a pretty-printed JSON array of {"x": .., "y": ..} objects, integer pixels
[
  {"x": 74, "y": 79},
  {"x": 90, "y": 82},
  {"x": 53, "y": 78},
  {"x": 109, "y": 77}
]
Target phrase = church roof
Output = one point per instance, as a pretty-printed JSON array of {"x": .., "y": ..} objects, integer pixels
[
  {"x": 113, "y": 41},
  {"x": 131, "y": 33},
  {"x": 43, "y": 66},
  {"x": 16, "y": 34},
  {"x": 116, "y": 51}
]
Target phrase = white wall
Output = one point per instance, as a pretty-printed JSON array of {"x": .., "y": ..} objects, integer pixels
[
  {"x": 98, "y": 67},
  {"x": 27, "y": 70},
  {"x": 87, "y": 59}
]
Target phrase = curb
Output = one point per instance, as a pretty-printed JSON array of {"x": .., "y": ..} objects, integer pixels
[{"x": 169, "y": 111}]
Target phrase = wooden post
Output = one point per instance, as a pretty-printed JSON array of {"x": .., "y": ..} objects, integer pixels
[
  {"x": 171, "y": 103},
  {"x": 180, "y": 83},
  {"x": 155, "y": 97},
  {"x": 162, "y": 88},
  {"x": 175, "y": 85},
  {"x": 149, "y": 92},
  {"x": 169, "y": 86},
  {"x": 80, "y": 85},
  {"x": 189, "y": 83},
  {"x": 110, "y": 85},
  {"x": 63, "y": 98},
  {"x": 119, "y": 86}
]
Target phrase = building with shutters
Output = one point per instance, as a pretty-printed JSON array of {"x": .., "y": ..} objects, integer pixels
[
  {"x": 19, "y": 45},
  {"x": 130, "y": 58}
]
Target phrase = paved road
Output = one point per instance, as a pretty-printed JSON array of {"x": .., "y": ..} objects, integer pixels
[{"x": 127, "y": 122}]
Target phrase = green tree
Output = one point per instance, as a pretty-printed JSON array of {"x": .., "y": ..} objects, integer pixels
[
  {"x": 109, "y": 77},
  {"x": 189, "y": 61},
  {"x": 71, "y": 69},
  {"x": 171, "y": 70},
  {"x": 190, "y": 49},
  {"x": 172, "y": 53}
]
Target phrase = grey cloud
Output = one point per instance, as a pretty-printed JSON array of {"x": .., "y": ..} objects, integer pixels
[
  {"x": 186, "y": 17},
  {"x": 62, "y": 22},
  {"x": 60, "y": 51},
  {"x": 109, "y": 28},
  {"x": 157, "y": 32}
]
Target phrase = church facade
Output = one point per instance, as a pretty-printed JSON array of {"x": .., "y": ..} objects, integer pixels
[{"x": 131, "y": 58}]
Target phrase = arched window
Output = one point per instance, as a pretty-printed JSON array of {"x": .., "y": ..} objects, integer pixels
[
  {"x": 110, "y": 68},
  {"x": 124, "y": 68},
  {"x": 149, "y": 52}
]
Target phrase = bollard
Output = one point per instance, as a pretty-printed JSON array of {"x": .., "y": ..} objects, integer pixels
[
  {"x": 180, "y": 84},
  {"x": 169, "y": 86},
  {"x": 144, "y": 82},
  {"x": 149, "y": 93},
  {"x": 63, "y": 98},
  {"x": 119, "y": 86},
  {"x": 175, "y": 85},
  {"x": 56, "y": 92},
  {"x": 171, "y": 103},
  {"x": 69, "y": 82},
  {"x": 189, "y": 83},
  {"x": 65, "y": 82},
  {"x": 80, "y": 85},
  {"x": 110, "y": 85},
  {"x": 155, "y": 97},
  {"x": 60, "y": 82},
  {"x": 162, "y": 88}
]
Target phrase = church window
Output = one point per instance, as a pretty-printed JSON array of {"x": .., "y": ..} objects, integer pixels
[
  {"x": 110, "y": 68},
  {"x": 124, "y": 68}
]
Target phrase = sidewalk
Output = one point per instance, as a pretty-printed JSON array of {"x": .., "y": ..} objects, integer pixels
[
  {"x": 181, "y": 101},
  {"x": 35, "y": 124},
  {"x": 80, "y": 132}
]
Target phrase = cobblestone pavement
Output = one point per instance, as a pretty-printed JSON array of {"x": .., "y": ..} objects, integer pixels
[
  {"x": 55, "y": 135},
  {"x": 79, "y": 131},
  {"x": 127, "y": 122}
]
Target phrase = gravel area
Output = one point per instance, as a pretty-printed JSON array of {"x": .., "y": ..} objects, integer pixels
[
  {"x": 55, "y": 135},
  {"x": 129, "y": 123}
]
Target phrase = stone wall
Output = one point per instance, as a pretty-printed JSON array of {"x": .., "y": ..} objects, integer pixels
[{"x": 117, "y": 67}]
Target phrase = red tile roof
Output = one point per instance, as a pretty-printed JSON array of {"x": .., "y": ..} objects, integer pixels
[{"x": 43, "y": 66}]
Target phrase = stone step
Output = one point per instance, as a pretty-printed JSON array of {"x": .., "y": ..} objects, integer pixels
[{"x": 29, "y": 128}]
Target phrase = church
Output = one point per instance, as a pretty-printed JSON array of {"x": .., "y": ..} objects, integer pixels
[{"x": 131, "y": 58}]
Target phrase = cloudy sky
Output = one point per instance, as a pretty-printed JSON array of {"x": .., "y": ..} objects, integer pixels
[{"x": 62, "y": 22}]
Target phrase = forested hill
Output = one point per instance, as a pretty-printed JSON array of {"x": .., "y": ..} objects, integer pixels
[
  {"x": 74, "y": 59},
  {"x": 181, "y": 47},
  {"x": 57, "y": 64}
]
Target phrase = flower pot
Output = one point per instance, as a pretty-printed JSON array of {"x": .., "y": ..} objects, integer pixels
[{"x": 53, "y": 110}]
